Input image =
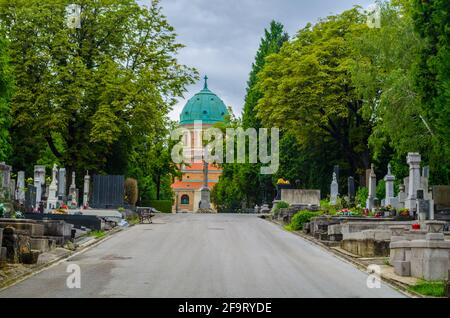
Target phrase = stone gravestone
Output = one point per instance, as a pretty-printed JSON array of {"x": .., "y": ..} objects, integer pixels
[
  {"x": 390, "y": 199},
  {"x": 336, "y": 170},
  {"x": 12, "y": 189},
  {"x": 52, "y": 200},
  {"x": 87, "y": 182},
  {"x": 370, "y": 203},
  {"x": 401, "y": 197},
  {"x": 413, "y": 160},
  {"x": 351, "y": 189},
  {"x": 39, "y": 182},
  {"x": 30, "y": 199},
  {"x": 21, "y": 187},
  {"x": 441, "y": 196},
  {"x": 5, "y": 181},
  {"x": 334, "y": 190},
  {"x": 423, "y": 206},
  {"x": 73, "y": 193},
  {"x": 62, "y": 185}
]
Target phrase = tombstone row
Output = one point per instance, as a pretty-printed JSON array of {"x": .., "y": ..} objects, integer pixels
[
  {"x": 415, "y": 194},
  {"x": 38, "y": 196}
]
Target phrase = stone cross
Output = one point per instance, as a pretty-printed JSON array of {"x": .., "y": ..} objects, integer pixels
[
  {"x": 413, "y": 160},
  {"x": 370, "y": 203},
  {"x": 334, "y": 190}
]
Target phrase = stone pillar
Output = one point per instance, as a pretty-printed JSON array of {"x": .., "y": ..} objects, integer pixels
[
  {"x": 414, "y": 160},
  {"x": 334, "y": 190},
  {"x": 52, "y": 199},
  {"x": 205, "y": 201},
  {"x": 62, "y": 184},
  {"x": 390, "y": 198},
  {"x": 370, "y": 203},
  {"x": 87, "y": 181},
  {"x": 73, "y": 192},
  {"x": 21, "y": 187}
]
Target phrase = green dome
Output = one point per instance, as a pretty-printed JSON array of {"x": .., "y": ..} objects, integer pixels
[{"x": 205, "y": 106}]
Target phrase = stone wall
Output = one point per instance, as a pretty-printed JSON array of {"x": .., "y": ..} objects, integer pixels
[{"x": 301, "y": 197}]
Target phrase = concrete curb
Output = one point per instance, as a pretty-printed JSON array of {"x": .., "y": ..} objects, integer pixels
[
  {"x": 40, "y": 268},
  {"x": 362, "y": 267}
]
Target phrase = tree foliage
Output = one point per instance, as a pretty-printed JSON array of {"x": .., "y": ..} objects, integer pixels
[
  {"x": 242, "y": 184},
  {"x": 5, "y": 94},
  {"x": 91, "y": 98}
]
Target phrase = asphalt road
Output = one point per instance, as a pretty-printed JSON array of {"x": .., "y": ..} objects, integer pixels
[{"x": 198, "y": 256}]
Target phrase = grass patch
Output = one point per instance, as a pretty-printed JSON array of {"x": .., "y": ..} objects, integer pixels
[
  {"x": 433, "y": 289},
  {"x": 97, "y": 234},
  {"x": 133, "y": 220}
]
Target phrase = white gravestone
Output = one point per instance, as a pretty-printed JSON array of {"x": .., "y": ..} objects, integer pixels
[
  {"x": 390, "y": 199},
  {"x": 21, "y": 187},
  {"x": 334, "y": 190},
  {"x": 413, "y": 160},
  {"x": 87, "y": 181},
  {"x": 370, "y": 203},
  {"x": 52, "y": 199}
]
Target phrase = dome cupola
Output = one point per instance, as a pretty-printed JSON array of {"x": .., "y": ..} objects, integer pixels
[{"x": 205, "y": 106}]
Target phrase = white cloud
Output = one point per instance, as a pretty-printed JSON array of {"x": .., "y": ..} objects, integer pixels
[{"x": 222, "y": 36}]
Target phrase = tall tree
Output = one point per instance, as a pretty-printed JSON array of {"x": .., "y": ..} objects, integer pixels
[
  {"x": 308, "y": 90},
  {"x": 96, "y": 93},
  {"x": 432, "y": 77},
  {"x": 5, "y": 94},
  {"x": 243, "y": 182}
]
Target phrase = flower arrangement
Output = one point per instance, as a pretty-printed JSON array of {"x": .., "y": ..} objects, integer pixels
[
  {"x": 282, "y": 181},
  {"x": 345, "y": 212},
  {"x": 404, "y": 212}
]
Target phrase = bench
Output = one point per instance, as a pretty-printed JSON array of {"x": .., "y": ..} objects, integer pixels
[{"x": 145, "y": 214}]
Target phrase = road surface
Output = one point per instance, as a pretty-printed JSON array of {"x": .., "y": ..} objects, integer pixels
[{"x": 199, "y": 256}]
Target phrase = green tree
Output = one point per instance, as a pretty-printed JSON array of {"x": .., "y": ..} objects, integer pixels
[
  {"x": 5, "y": 95},
  {"x": 432, "y": 78},
  {"x": 243, "y": 183},
  {"x": 93, "y": 95},
  {"x": 308, "y": 93}
]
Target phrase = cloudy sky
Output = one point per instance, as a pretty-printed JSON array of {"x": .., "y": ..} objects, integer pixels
[{"x": 222, "y": 36}]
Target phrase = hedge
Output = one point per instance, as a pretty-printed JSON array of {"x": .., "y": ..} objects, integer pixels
[{"x": 164, "y": 206}]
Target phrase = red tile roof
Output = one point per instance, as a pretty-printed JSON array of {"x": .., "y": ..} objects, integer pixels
[{"x": 191, "y": 185}]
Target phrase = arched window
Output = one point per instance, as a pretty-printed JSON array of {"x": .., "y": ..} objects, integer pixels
[{"x": 185, "y": 199}]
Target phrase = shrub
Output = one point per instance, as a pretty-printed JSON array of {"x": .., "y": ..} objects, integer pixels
[
  {"x": 280, "y": 205},
  {"x": 131, "y": 191},
  {"x": 300, "y": 218},
  {"x": 361, "y": 196},
  {"x": 164, "y": 206}
]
